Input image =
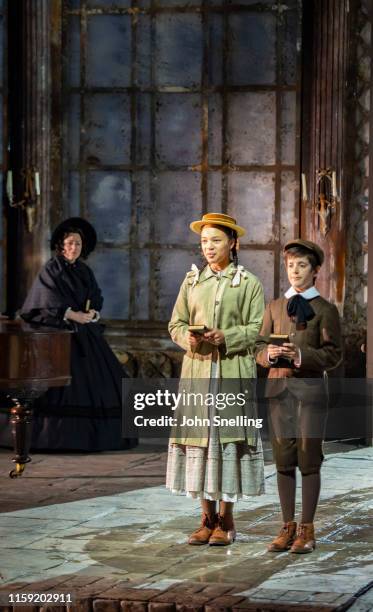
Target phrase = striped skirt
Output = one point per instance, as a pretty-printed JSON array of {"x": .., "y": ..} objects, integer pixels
[{"x": 225, "y": 472}]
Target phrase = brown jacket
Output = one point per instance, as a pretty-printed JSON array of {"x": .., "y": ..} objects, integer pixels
[{"x": 320, "y": 345}]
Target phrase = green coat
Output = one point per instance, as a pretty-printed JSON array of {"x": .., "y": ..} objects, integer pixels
[{"x": 235, "y": 304}]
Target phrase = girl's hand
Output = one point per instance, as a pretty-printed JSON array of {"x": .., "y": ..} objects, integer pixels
[
  {"x": 214, "y": 336},
  {"x": 194, "y": 339}
]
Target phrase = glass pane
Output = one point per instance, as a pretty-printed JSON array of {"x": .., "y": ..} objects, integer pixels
[
  {"x": 178, "y": 50},
  {"x": 108, "y": 129},
  {"x": 74, "y": 194},
  {"x": 216, "y": 33},
  {"x": 109, "y": 205},
  {"x": 144, "y": 207},
  {"x": 252, "y": 52},
  {"x": 288, "y": 126},
  {"x": 143, "y": 51},
  {"x": 115, "y": 287},
  {"x": 289, "y": 202},
  {"x": 261, "y": 263},
  {"x": 109, "y": 51},
  {"x": 143, "y": 129},
  {"x": 251, "y": 197},
  {"x": 215, "y": 129},
  {"x": 214, "y": 193},
  {"x": 179, "y": 203},
  {"x": 252, "y": 128},
  {"x": 142, "y": 259},
  {"x": 73, "y": 52},
  {"x": 73, "y": 130},
  {"x": 178, "y": 129},
  {"x": 290, "y": 40},
  {"x": 170, "y": 271}
]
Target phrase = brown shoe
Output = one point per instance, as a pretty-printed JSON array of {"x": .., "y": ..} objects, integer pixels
[
  {"x": 202, "y": 534},
  {"x": 224, "y": 532},
  {"x": 305, "y": 541},
  {"x": 285, "y": 538}
]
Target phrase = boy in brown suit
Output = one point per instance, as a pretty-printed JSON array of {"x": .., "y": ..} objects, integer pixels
[{"x": 296, "y": 387}]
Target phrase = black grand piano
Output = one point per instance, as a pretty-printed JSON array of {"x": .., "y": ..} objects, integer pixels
[{"x": 32, "y": 360}]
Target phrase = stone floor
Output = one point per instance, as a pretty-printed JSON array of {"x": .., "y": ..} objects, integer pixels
[{"x": 103, "y": 528}]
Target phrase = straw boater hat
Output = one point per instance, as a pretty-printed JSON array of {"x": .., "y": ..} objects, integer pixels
[
  {"x": 310, "y": 246},
  {"x": 217, "y": 219}
]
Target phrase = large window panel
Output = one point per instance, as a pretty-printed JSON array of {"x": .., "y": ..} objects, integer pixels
[
  {"x": 178, "y": 50},
  {"x": 252, "y": 199},
  {"x": 252, "y": 57},
  {"x": 171, "y": 112},
  {"x": 108, "y": 129},
  {"x": 252, "y": 128},
  {"x": 73, "y": 129},
  {"x": 261, "y": 263},
  {"x": 109, "y": 51},
  {"x": 115, "y": 287},
  {"x": 73, "y": 52},
  {"x": 168, "y": 275},
  {"x": 179, "y": 203},
  {"x": 288, "y": 127},
  {"x": 178, "y": 129},
  {"x": 109, "y": 197}
]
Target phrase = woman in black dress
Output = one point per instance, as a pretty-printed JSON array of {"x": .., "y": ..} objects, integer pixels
[{"x": 87, "y": 414}]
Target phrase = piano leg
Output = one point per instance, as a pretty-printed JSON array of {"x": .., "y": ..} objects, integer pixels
[{"x": 20, "y": 419}]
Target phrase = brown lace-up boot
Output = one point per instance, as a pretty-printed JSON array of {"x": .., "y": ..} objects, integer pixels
[
  {"x": 224, "y": 532},
  {"x": 305, "y": 541},
  {"x": 285, "y": 538},
  {"x": 202, "y": 534}
]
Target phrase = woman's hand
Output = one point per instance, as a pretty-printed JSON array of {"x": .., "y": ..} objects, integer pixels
[
  {"x": 80, "y": 317},
  {"x": 214, "y": 336}
]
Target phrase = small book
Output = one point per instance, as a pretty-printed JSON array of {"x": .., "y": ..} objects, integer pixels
[
  {"x": 197, "y": 329},
  {"x": 278, "y": 339}
]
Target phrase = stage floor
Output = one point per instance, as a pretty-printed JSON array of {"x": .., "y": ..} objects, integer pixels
[{"x": 103, "y": 528}]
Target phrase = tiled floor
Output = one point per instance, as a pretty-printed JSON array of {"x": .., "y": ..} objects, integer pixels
[{"x": 137, "y": 531}]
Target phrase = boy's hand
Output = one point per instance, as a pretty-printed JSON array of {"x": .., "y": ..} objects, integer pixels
[
  {"x": 274, "y": 351},
  {"x": 290, "y": 351}
]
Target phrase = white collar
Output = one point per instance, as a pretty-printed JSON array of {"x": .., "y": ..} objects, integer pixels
[{"x": 308, "y": 294}]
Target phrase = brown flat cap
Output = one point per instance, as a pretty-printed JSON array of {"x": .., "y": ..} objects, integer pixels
[{"x": 306, "y": 244}]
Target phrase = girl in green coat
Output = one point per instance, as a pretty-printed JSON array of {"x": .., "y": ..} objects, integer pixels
[{"x": 218, "y": 464}]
